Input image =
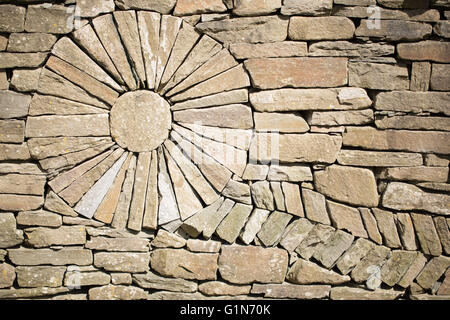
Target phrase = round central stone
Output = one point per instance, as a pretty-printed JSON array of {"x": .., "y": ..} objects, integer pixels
[{"x": 140, "y": 121}]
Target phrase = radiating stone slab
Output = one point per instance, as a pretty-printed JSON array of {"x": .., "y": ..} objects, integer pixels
[
  {"x": 253, "y": 225},
  {"x": 122, "y": 262},
  {"x": 387, "y": 227},
  {"x": 168, "y": 209},
  {"x": 184, "y": 264},
  {"x": 47, "y": 105},
  {"x": 306, "y": 272},
  {"x": 150, "y": 220},
  {"x": 297, "y": 72},
  {"x": 295, "y": 233},
  {"x": 65, "y": 256},
  {"x": 378, "y": 158},
  {"x": 54, "y": 203},
  {"x": 314, "y": 240},
  {"x": 232, "y": 224},
  {"x": 403, "y": 196},
  {"x": 427, "y": 234},
  {"x": 42, "y": 276},
  {"x": 149, "y": 28},
  {"x": 236, "y": 264},
  {"x": 293, "y": 199},
  {"x": 234, "y": 78},
  {"x": 64, "y": 235},
  {"x": 123, "y": 206},
  {"x": 68, "y": 51},
  {"x": 235, "y": 116},
  {"x": 347, "y": 218},
  {"x": 109, "y": 36},
  {"x": 291, "y": 148},
  {"x": 272, "y": 230},
  {"x": 152, "y": 281},
  {"x": 251, "y": 29},
  {"x": 333, "y": 248},
  {"x": 358, "y": 185},
  {"x": 10, "y": 236}
]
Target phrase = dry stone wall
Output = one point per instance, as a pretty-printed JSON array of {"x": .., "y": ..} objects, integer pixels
[{"x": 246, "y": 149}]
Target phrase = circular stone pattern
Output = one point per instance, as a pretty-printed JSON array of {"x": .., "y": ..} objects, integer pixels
[{"x": 140, "y": 121}]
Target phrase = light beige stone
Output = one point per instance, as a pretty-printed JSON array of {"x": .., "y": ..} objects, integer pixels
[
  {"x": 442, "y": 229},
  {"x": 272, "y": 230},
  {"x": 306, "y": 272},
  {"x": 65, "y": 256},
  {"x": 12, "y": 18},
  {"x": 56, "y": 204},
  {"x": 269, "y": 50},
  {"x": 307, "y": 8},
  {"x": 337, "y": 118},
  {"x": 236, "y": 264},
  {"x": 255, "y": 172},
  {"x": 184, "y": 264},
  {"x": 347, "y": 218},
  {"x": 370, "y": 264},
  {"x": 64, "y": 235},
  {"x": 349, "y": 49},
  {"x": 403, "y": 196},
  {"x": 48, "y": 19},
  {"x": 8, "y": 275},
  {"x": 281, "y": 122},
  {"x": 387, "y": 227},
  {"x": 10, "y": 236},
  {"x": 30, "y": 42},
  {"x": 289, "y": 173},
  {"x": 223, "y": 98},
  {"x": 293, "y": 199},
  {"x": 378, "y": 76},
  {"x": 209, "y": 246},
  {"x": 378, "y": 158},
  {"x": 232, "y": 224},
  {"x": 25, "y": 80},
  {"x": 122, "y": 261},
  {"x": 431, "y": 174},
  {"x": 13, "y": 105},
  {"x": 152, "y": 281},
  {"x": 132, "y": 244},
  {"x": 39, "y": 218},
  {"x": 295, "y": 233},
  {"x": 12, "y": 131},
  {"x": 350, "y": 293},
  {"x": 315, "y": 207},
  {"x": 292, "y": 291},
  {"x": 217, "y": 288},
  {"x": 297, "y": 72},
  {"x": 406, "y": 231},
  {"x": 9, "y": 60},
  {"x": 255, "y": 7},
  {"x": 416, "y": 102},
  {"x": 166, "y": 239},
  {"x": 314, "y": 241},
  {"x": 197, "y": 223},
  {"x": 427, "y": 234},
  {"x": 321, "y": 28},
  {"x": 394, "y": 30},
  {"x": 113, "y": 292},
  {"x": 121, "y": 278},
  {"x": 188, "y": 7},
  {"x": 353, "y": 255},
  {"x": 253, "y": 225},
  {"x": 333, "y": 248}
]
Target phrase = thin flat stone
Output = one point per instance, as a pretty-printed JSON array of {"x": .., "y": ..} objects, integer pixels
[
  {"x": 278, "y": 196},
  {"x": 152, "y": 281},
  {"x": 87, "y": 38},
  {"x": 123, "y": 206},
  {"x": 48, "y": 105},
  {"x": 427, "y": 234},
  {"x": 347, "y": 218},
  {"x": 150, "y": 220},
  {"x": 370, "y": 264},
  {"x": 379, "y": 158},
  {"x": 22, "y": 168},
  {"x": 14, "y": 183},
  {"x": 210, "y": 246},
  {"x": 289, "y": 123},
  {"x": 109, "y": 36},
  {"x": 295, "y": 233},
  {"x": 218, "y": 99},
  {"x": 370, "y": 223},
  {"x": 10, "y": 60},
  {"x": 255, "y": 172},
  {"x": 293, "y": 199},
  {"x": 197, "y": 223},
  {"x": 188, "y": 203},
  {"x": 232, "y": 224},
  {"x": 253, "y": 225},
  {"x": 35, "y": 257},
  {"x": 149, "y": 28},
  {"x": 272, "y": 230},
  {"x": 68, "y": 51},
  {"x": 353, "y": 255},
  {"x": 41, "y": 276},
  {"x": 64, "y": 235},
  {"x": 386, "y": 225},
  {"x": 295, "y": 173},
  {"x": 168, "y": 208},
  {"x": 128, "y": 29},
  {"x": 134, "y": 262},
  {"x": 315, "y": 206},
  {"x": 406, "y": 231}
]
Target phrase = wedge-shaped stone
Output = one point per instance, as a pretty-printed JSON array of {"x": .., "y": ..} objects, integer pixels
[
  {"x": 169, "y": 30},
  {"x": 122, "y": 262},
  {"x": 184, "y": 264},
  {"x": 150, "y": 220},
  {"x": 310, "y": 99},
  {"x": 218, "y": 64},
  {"x": 396, "y": 266},
  {"x": 295, "y": 233},
  {"x": 403, "y": 196},
  {"x": 111, "y": 292},
  {"x": 168, "y": 209},
  {"x": 234, "y": 116},
  {"x": 417, "y": 102},
  {"x": 253, "y": 225},
  {"x": 219, "y": 99},
  {"x": 297, "y": 72},
  {"x": 10, "y": 236},
  {"x": 353, "y": 255},
  {"x": 71, "y": 53},
  {"x": 47, "y": 105},
  {"x": 370, "y": 264},
  {"x": 415, "y": 141},
  {"x": 109, "y": 37},
  {"x": 379, "y": 158},
  {"x": 252, "y": 29},
  {"x": 427, "y": 234},
  {"x": 88, "y": 39},
  {"x": 165, "y": 239},
  {"x": 232, "y": 224},
  {"x": 205, "y": 49},
  {"x": 13, "y": 105},
  {"x": 269, "y": 50},
  {"x": 133, "y": 244},
  {"x": 322, "y": 28},
  {"x": 358, "y": 186},
  {"x": 152, "y": 281},
  {"x": 214, "y": 172},
  {"x": 55, "y": 204},
  {"x": 192, "y": 174},
  {"x": 22, "y": 184},
  {"x": 65, "y": 235},
  {"x": 434, "y": 269},
  {"x": 33, "y": 277},
  {"x": 290, "y": 148},
  {"x": 306, "y": 272},
  {"x": 236, "y": 264},
  {"x": 350, "y": 293},
  {"x": 51, "y": 83},
  {"x": 129, "y": 33},
  {"x": 65, "y": 256},
  {"x": 48, "y": 19},
  {"x": 234, "y": 78},
  {"x": 54, "y": 126},
  {"x": 425, "y": 50},
  {"x": 272, "y": 230},
  {"x": 347, "y": 218},
  {"x": 196, "y": 224},
  {"x": 394, "y": 30}
]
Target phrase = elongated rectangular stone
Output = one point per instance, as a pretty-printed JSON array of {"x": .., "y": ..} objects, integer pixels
[
  {"x": 269, "y": 50},
  {"x": 297, "y": 72},
  {"x": 379, "y": 158},
  {"x": 22, "y": 184},
  {"x": 394, "y": 30},
  {"x": 272, "y": 230},
  {"x": 432, "y": 174},
  {"x": 378, "y": 76},
  {"x": 122, "y": 261},
  {"x": 232, "y": 224},
  {"x": 12, "y": 131},
  {"x": 66, "y": 256},
  {"x": 413, "y": 123},
  {"x": 9, "y": 60},
  {"x": 293, "y": 199},
  {"x": 42, "y": 276},
  {"x": 12, "y": 18},
  {"x": 64, "y": 235}
]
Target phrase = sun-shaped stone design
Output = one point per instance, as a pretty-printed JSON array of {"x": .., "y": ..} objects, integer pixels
[{"x": 139, "y": 120}]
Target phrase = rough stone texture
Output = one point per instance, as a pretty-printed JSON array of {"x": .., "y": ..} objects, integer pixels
[
  {"x": 289, "y": 123},
  {"x": 378, "y": 76},
  {"x": 117, "y": 244},
  {"x": 439, "y": 77},
  {"x": 153, "y": 281},
  {"x": 273, "y": 228},
  {"x": 287, "y": 290},
  {"x": 420, "y": 76},
  {"x": 122, "y": 262},
  {"x": 346, "y": 218},
  {"x": 295, "y": 233},
  {"x": 307, "y": 8},
  {"x": 406, "y": 231},
  {"x": 427, "y": 234},
  {"x": 425, "y": 50},
  {"x": 33, "y": 277},
  {"x": 433, "y": 270},
  {"x": 333, "y": 248},
  {"x": 378, "y": 158},
  {"x": 65, "y": 256},
  {"x": 297, "y": 72},
  {"x": 49, "y": 19},
  {"x": 111, "y": 292},
  {"x": 353, "y": 255},
  {"x": 404, "y": 101},
  {"x": 163, "y": 7},
  {"x": 394, "y": 30},
  {"x": 64, "y": 235},
  {"x": 349, "y": 293},
  {"x": 306, "y": 272},
  {"x": 387, "y": 227},
  {"x": 189, "y": 7},
  {"x": 321, "y": 28},
  {"x": 217, "y": 288},
  {"x": 351, "y": 185},
  {"x": 370, "y": 264},
  {"x": 251, "y": 29},
  {"x": 184, "y": 264},
  {"x": 7, "y": 275},
  {"x": 269, "y": 50},
  {"x": 396, "y": 266},
  {"x": 235, "y": 264},
  {"x": 12, "y": 18},
  {"x": 403, "y": 196},
  {"x": 315, "y": 206},
  {"x": 433, "y": 174},
  {"x": 9, "y": 235},
  {"x": 442, "y": 229},
  {"x": 232, "y": 224}
]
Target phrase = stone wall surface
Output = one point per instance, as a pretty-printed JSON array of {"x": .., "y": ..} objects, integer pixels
[{"x": 235, "y": 149}]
